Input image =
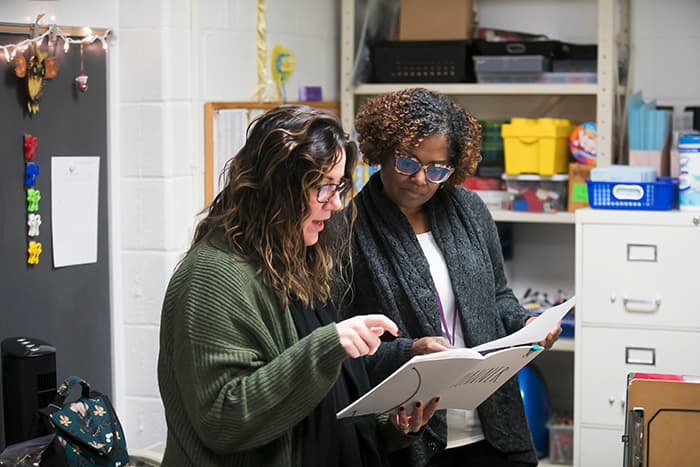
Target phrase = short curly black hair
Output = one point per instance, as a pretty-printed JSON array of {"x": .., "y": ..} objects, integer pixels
[{"x": 398, "y": 121}]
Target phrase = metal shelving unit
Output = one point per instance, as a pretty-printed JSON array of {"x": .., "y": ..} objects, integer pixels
[
  {"x": 604, "y": 92},
  {"x": 533, "y": 217},
  {"x": 461, "y": 89},
  {"x": 611, "y": 15}
]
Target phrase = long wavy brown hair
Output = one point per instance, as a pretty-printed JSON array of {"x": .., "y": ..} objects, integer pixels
[
  {"x": 266, "y": 197},
  {"x": 398, "y": 121}
]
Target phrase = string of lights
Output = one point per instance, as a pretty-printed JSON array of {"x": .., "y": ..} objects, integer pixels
[{"x": 55, "y": 33}]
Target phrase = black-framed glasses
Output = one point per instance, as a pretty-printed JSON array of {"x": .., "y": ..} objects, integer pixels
[
  {"x": 327, "y": 190},
  {"x": 435, "y": 172}
]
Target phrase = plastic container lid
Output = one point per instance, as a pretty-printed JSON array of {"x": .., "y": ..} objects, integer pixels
[
  {"x": 540, "y": 127},
  {"x": 537, "y": 178},
  {"x": 689, "y": 138}
]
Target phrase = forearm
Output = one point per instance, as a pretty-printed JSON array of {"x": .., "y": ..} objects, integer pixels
[
  {"x": 239, "y": 402},
  {"x": 388, "y": 358}
]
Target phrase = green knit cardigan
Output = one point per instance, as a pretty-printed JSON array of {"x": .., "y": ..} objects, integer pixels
[{"x": 235, "y": 379}]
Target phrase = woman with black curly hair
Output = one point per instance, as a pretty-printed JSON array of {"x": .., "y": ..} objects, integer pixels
[{"x": 426, "y": 253}]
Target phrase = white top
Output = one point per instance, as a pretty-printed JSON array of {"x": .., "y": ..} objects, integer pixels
[{"x": 463, "y": 426}]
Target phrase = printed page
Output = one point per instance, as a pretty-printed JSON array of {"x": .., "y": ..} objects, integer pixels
[
  {"x": 534, "y": 332},
  {"x": 484, "y": 378},
  {"x": 461, "y": 379}
]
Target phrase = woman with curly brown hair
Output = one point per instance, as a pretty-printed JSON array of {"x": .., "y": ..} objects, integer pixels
[
  {"x": 252, "y": 368},
  {"x": 426, "y": 253}
]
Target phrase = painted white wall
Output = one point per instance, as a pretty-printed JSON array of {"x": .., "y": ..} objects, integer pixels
[{"x": 168, "y": 57}]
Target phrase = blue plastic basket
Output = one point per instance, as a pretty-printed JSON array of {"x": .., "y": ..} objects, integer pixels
[{"x": 661, "y": 195}]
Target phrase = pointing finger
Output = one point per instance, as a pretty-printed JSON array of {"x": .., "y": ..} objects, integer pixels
[{"x": 380, "y": 322}]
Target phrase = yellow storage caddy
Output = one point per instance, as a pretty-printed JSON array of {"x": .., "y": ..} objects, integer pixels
[{"x": 537, "y": 146}]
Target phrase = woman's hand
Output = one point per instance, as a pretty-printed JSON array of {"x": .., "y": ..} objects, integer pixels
[
  {"x": 552, "y": 336},
  {"x": 430, "y": 344},
  {"x": 413, "y": 423},
  {"x": 359, "y": 335}
]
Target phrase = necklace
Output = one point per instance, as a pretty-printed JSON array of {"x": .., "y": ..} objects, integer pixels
[{"x": 443, "y": 320}]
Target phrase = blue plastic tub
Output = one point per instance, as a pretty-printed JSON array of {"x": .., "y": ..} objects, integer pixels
[{"x": 661, "y": 195}]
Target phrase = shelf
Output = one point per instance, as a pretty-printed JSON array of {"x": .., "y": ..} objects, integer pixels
[
  {"x": 483, "y": 89},
  {"x": 533, "y": 217}
]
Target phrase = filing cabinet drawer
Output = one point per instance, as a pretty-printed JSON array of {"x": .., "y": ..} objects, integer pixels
[
  {"x": 604, "y": 448},
  {"x": 607, "y": 355},
  {"x": 640, "y": 275}
]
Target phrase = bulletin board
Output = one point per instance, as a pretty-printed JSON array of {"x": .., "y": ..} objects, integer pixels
[
  {"x": 225, "y": 125},
  {"x": 67, "y": 307}
]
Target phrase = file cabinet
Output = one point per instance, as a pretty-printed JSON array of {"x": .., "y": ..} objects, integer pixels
[{"x": 637, "y": 311}]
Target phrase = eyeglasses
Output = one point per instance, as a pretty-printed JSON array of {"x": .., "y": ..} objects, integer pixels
[
  {"x": 434, "y": 172},
  {"x": 326, "y": 191}
]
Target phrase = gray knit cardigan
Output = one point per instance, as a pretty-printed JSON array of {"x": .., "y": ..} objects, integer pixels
[{"x": 391, "y": 276}]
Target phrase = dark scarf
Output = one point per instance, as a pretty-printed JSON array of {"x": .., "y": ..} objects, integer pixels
[
  {"x": 392, "y": 276},
  {"x": 327, "y": 441},
  {"x": 400, "y": 271}
]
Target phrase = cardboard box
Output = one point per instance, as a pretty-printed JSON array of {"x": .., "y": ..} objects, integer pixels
[
  {"x": 578, "y": 190},
  {"x": 435, "y": 20}
]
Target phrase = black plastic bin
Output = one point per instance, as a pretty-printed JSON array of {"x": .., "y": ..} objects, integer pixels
[{"x": 423, "y": 62}]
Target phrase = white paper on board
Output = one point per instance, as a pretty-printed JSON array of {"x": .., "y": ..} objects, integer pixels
[{"x": 74, "y": 209}]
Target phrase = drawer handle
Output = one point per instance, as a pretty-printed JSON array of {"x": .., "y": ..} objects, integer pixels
[{"x": 637, "y": 305}]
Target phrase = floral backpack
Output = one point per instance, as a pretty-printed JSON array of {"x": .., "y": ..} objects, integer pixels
[{"x": 88, "y": 432}]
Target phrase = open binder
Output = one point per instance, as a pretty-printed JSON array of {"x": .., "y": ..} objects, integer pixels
[
  {"x": 663, "y": 421},
  {"x": 462, "y": 378}
]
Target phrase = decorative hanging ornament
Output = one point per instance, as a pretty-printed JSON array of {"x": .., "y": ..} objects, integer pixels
[
  {"x": 39, "y": 68},
  {"x": 282, "y": 64},
  {"x": 81, "y": 81}
]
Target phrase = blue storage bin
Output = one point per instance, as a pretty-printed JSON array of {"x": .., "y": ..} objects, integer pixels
[
  {"x": 661, "y": 195},
  {"x": 568, "y": 322},
  {"x": 568, "y": 325}
]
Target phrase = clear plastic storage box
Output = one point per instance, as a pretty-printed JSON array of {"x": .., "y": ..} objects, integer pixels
[
  {"x": 561, "y": 444},
  {"x": 535, "y": 193}
]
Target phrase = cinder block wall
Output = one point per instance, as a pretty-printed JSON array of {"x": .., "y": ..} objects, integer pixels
[{"x": 174, "y": 57}]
